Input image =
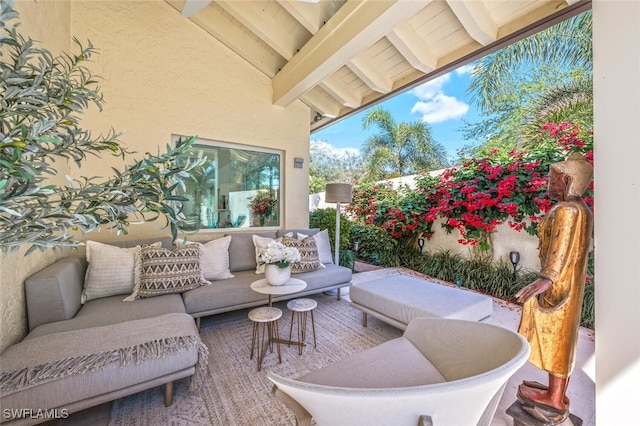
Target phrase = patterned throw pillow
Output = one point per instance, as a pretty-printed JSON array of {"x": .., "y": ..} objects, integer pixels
[
  {"x": 324, "y": 246},
  {"x": 160, "y": 271},
  {"x": 309, "y": 260}
]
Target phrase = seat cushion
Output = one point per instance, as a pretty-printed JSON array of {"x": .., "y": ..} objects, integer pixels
[
  {"x": 86, "y": 363},
  {"x": 112, "y": 310},
  {"x": 393, "y": 364},
  {"x": 404, "y": 298}
]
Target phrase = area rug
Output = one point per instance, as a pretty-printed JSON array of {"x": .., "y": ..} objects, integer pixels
[{"x": 236, "y": 393}]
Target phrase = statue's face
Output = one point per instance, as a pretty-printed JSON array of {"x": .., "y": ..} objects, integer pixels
[{"x": 557, "y": 186}]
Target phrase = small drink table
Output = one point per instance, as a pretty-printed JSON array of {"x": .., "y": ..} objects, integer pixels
[{"x": 294, "y": 285}]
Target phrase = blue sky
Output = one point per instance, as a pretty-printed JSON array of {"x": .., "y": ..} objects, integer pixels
[{"x": 442, "y": 103}]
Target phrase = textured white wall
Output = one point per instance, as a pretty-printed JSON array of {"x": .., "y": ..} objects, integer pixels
[
  {"x": 616, "y": 91},
  {"x": 14, "y": 267}
]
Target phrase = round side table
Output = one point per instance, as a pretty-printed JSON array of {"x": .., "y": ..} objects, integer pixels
[
  {"x": 265, "y": 331},
  {"x": 299, "y": 309}
]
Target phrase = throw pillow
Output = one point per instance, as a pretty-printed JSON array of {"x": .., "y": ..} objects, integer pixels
[
  {"x": 261, "y": 244},
  {"x": 215, "y": 257},
  {"x": 110, "y": 270},
  {"x": 160, "y": 271},
  {"x": 324, "y": 246},
  {"x": 309, "y": 260}
]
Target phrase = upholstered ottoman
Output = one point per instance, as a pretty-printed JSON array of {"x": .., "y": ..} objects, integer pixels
[{"x": 397, "y": 299}]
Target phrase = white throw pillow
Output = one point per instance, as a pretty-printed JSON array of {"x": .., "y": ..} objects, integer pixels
[
  {"x": 110, "y": 271},
  {"x": 261, "y": 244},
  {"x": 323, "y": 244},
  {"x": 214, "y": 260}
]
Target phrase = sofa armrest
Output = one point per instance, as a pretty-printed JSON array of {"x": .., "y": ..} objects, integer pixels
[{"x": 53, "y": 294}]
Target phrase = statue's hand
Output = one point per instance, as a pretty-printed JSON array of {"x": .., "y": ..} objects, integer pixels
[{"x": 538, "y": 286}]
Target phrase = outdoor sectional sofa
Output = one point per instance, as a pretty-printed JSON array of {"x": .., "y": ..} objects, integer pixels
[{"x": 78, "y": 355}]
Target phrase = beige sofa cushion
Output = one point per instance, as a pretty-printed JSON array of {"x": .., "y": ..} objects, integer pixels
[
  {"x": 215, "y": 257},
  {"x": 110, "y": 270},
  {"x": 393, "y": 364}
]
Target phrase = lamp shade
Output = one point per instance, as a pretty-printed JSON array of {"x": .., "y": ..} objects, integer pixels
[{"x": 338, "y": 193}]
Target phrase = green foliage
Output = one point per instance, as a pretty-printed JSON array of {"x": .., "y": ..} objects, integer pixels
[
  {"x": 403, "y": 214},
  {"x": 316, "y": 183},
  {"x": 43, "y": 98},
  {"x": 326, "y": 219},
  {"x": 375, "y": 245},
  {"x": 399, "y": 149},
  {"x": 546, "y": 77},
  {"x": 327, "y": 164}
]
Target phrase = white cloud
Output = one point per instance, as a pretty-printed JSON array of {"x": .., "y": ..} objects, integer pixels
[
  {"x": 440, "y": 108},
  {"x": 431, "y": 88},
  {"x": 326, "y": 150},
  {"x": 465, "y": 69},
  {"x": 434, "y": 105}
]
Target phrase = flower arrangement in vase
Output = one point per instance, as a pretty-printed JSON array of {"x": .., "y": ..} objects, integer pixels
[
  {"x": 278, "y": 259},
  {"x": 262, "y": 207}
]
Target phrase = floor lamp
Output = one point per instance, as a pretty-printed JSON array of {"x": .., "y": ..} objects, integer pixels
[{"x": 338, "y": 193}]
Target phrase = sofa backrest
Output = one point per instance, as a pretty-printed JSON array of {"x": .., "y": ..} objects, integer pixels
[
  {"x": 307, "y": 231},
  {"x": 242, "y": 252},
  {"x": 54, "y": 293}
]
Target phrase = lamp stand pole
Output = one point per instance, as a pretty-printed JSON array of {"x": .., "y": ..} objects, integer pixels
[{"x": 337, "y": 247}]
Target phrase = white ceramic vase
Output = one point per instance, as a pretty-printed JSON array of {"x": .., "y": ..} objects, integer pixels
[{"x": 276, "y": 275}]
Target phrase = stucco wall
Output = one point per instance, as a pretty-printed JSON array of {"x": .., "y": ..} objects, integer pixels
[
  {"x": 15, "y": 267},
  {"x": 162, "y": 75}
]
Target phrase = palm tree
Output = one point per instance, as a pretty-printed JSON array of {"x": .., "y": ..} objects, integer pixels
[
  {"x": 400, "y": 148},
  {"x": 566, "y": 45},
  {"x": 572, "y": 101}
]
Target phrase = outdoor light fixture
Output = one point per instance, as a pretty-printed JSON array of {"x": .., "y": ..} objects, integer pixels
[
  {"x": 298, "y": 162},
  {"x": 421, "y": 243},
  {"x": 356, "y": 247},
  {"x": 338, "y": 193},
  {"x": 514, "y": 256}
]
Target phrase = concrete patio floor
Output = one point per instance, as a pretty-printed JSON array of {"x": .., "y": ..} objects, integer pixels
[{"x": 582, "y": 388}]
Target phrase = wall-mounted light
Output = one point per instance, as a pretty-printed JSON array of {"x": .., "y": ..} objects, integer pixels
[{"x": 298, "y": 162}]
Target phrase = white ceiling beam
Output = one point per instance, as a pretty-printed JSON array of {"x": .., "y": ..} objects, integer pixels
[
  {"x": 370, "y": 75},
  {"x": 476, "y": 20},
  {"x": 212, "y": 21},
  {"x": 341, "y": 92},
  {"x": 410, "y": 45},
  {"x": 352, "y": 29},
  {"x": 321, "y": 104},
  {"x": 191, "y": 7},
  {"x": 277, "y": 37},
  {"x": 304, "y": 12}
]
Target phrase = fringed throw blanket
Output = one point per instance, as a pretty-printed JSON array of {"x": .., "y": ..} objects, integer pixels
[{"x": 47, "y": 358}]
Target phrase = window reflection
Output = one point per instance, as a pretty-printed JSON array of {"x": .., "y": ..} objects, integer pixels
[{"x": 238, "y": 188}]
